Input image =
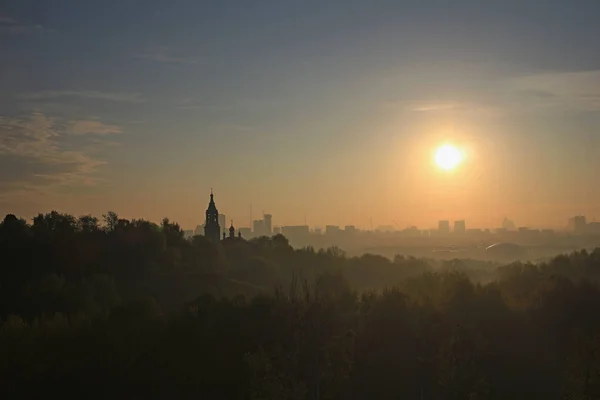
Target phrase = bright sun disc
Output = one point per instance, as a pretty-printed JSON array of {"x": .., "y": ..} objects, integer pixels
[{"x": 447, "y": 157}]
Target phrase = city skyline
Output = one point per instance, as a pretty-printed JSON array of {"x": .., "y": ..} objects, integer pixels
[
  {"x": 260, "y": 226},
  {"x": 337, "y": 111}
]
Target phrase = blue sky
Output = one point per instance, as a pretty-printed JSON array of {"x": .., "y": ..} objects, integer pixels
[{"x": 325, "y": 108}]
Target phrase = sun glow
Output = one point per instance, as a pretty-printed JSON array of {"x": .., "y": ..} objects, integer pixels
[{"x": 448, "y": 157}]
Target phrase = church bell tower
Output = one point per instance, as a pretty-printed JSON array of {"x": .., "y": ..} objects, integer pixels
[{"x": 212, "y": 230}]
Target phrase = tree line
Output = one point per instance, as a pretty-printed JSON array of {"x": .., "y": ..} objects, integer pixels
[{"x": 132, "y": 309}]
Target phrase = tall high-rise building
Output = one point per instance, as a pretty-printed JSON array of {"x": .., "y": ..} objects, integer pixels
[
  {"x": 578, "y": 224},
  {"x": 444, "y": 227},
  {"x": 222, "y": 221},
  {"x": 212, "y": 229},
  {"x": 460, "y": 227},
  {"x": 258, "y": 227},
  {"x": 267, "y": 225}
]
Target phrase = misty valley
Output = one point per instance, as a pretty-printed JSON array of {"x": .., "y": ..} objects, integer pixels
[{"x": 133, "y": 309}]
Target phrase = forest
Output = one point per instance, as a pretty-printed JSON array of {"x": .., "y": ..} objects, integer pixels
[{"x": 115, "y": 308}]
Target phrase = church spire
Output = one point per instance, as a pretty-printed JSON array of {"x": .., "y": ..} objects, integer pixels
[{"x": 211, "y": 226}]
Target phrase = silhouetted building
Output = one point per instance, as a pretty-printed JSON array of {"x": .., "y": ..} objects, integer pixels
[
  {"x": 385, "y": 228},
  {"x": 212, "y": 229},
  {"x": 412, "y": 231},
  {"x": 508, "y": 225},
  {"x": 332, "y": 229},
  {"x": 593, "y": 228},
  {"x": 258, "y": 227},
  {"x": 276, "y": 230},
  {"x": 578, "y": 224},
  {"x": 460, "y": 227},
  {"x": 245, "y": 232},
  {"x": 444, "y": 227},
  {"x": 267, "y": 218},
  {"x": 295, "y": 231},
  {"x": 222, "y": 221},
  {"x": 199, "y": 230},
  {"x": 231, "y": 237}
]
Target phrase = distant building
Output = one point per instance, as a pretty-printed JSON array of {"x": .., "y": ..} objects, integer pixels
[
  {"x": 276, "y": 230},
  {"x": 444, "y": 227},
  {"x": 350, "y": 228},
  {"x": 258, "y": 227},
  {"x": 593, "y": 228},
  {"x": 245, "y": 232},
  {"x": 199, "y": 230},
  {"x": 460, "y": 227},
  {"x": 508, "y": 225},
  {"x": 385, "y": 228},
  {"x": 332, "y": 229},
  {"x": 222, "y": 221},
  {"x": 578, "y": 224},
  {"x": 318, "y": 231},
  {"x": 295, "y": 231},
  {"x": 212, "y": 230},
  {"x": 267, "y": 218},
  {"x": 412, "y": 231},
  {"x": 231, "y": 237}
]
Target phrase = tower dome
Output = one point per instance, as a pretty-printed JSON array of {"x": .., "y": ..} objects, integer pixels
[{"x": 231, "y": 231}]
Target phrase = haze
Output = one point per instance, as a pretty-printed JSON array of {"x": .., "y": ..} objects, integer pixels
[{"x": 325, "y": 111}]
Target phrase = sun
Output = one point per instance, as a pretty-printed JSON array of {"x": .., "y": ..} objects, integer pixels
[{"x": 448, "y": 157}]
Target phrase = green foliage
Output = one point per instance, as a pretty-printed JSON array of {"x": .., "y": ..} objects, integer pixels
[{"x": 133, "y": 309}]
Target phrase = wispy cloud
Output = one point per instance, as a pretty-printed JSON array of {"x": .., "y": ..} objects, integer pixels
[
  {"x": 568, "y": 90},
  {"x": 92, "y": 95},
  {"x": 95, "y": 127},
  {"x": 42, "y": 157},
  {"x": 432, "y": 106},
  {"x": 188, "y": 103},
  {"x": 164, "y": 55},
  {"x": 15, "y": 27},
  {"x": 7, "y": 21}
]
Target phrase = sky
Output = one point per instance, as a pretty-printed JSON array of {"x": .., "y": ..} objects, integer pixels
[{"x": 324, "y": 111}]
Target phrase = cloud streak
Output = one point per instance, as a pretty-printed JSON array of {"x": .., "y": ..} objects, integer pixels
[
  {"x": 93, "y": 127},
  {"x": 471, "y": 108},
  {"x": 14, "y": 27},
  {"x": 40, "y": 147},
  {"x": 91, "y": 95},
  {"x": 569, "y": 90}
]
